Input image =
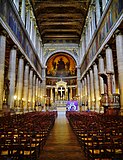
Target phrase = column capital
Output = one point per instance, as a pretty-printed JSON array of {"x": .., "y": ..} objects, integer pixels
[
  {"x": 107, "y": 46},
  {"x": 4, "y": 33},
  {"x": 15, "y": 47},
  {"x": 94, "y": 63},
  {"x": 90, "y": 69},
  {"x": 21, "y": 57},
  {"x": 27, "y": 64},
  {"x": 99, "y": 56},
  {"x": 118, "y": 32},
  {"x": 31, "y": 69}
]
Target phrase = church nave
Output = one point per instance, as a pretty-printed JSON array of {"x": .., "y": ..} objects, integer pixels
[{"x": 62, "y": 143}]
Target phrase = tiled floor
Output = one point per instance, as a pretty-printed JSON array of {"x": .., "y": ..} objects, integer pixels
[{"x": 62, "y": 143}]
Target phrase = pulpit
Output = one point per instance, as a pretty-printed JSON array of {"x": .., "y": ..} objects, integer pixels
[{"x": 109, "y": 100}]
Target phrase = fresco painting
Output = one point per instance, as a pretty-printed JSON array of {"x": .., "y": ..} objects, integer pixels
[{"x": 61, "y": 65}]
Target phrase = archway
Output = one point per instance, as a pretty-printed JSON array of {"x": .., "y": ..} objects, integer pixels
[{"x": 61, "y": 67}]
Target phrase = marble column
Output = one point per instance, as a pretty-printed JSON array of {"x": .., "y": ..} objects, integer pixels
[
  {"x": 41, "y": 51},
  {"x": 35, "y": 36},
  {"x": 34, "y": 91},
  {"x": 104, "y": 4},
  {"x": 20, "y": 82},
  {"x": 44, "y": 83},
  {"x": 51, "y": 95},
  {"x": 23, "y": 9},
  {"x": 110, "y": 70},
  {"x": 26, "y": 86},
  {"x": 92, "y": 103},
  {"x": 39, "y": 47},
  {"x": 93, "y": 19},
  {"x": 83, "y": 96},
  {"x": 30, "y": 96},
  {"x": 98, "y": 13},
  {"x": 119, "y": 50},
  {"x": 32, "y": 29},
  {"x": 81, "y": 93},
  {"x": 12, "y": 76},
  {"x": 28, "y": 20},
  {"x": 96, "y": 88},
  {"x": 78, "y": 84},
  {"x": 16, "y": 2},
  {"x": 101, "y": 70},
  {"x": 85, "y": 86},
  {"x": 71, "y": 97},
  {"x": 2, "y": 64},
  {"x": 39, "y": 93},
  {"x": 88, "y": 89}
]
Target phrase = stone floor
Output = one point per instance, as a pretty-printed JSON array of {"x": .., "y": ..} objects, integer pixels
[{"x": 62, "y": 143}]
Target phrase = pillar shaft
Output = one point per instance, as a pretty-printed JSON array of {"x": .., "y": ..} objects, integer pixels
[
  {"x": 110, "y": 69},
  {"x": 17, "y": 4},
  {"x": 83, "y": 97},
  {"x": 34, "y": 90},
  {"x": 20, "y": 82},
  {"x": 26, "y": 86},
  {"x": 32, "y": 29},
  {"x": 71, "y": 94},
  {"x": 2, "y": 65},
  {"x": 20, "y": 79},
  {"x": 39, "y": 93},
  {"x": 88, "y": 89},
  {"x": 28, "y": 20},
  {"x": 12, "y": 76},
  {"x": 96, "y": 88},
  {"x": 85, "y": 88},
  {"x": 92, "y": 90},
  {"x": 30, "y": 97},
  {"x": 101, "y": 70},
  {"x": 98, "y": 13},
  {"x": 119, "y": 49},
  {"x": 23, "y": 11}
]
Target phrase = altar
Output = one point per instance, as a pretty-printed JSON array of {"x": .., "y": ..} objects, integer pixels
[{"x": 61, "y": 92}]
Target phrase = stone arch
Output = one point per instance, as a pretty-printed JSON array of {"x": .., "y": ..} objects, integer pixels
[{"x": 63, "y": 51}]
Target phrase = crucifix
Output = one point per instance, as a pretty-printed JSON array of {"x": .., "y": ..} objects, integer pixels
[{"x": 61, "y": 90}]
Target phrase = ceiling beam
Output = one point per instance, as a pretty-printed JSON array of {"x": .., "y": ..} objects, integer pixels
[
  {"x": 60, "y": 15},
  {"x": 43, "y": 5},
  {"x": 61, "y": 36},
  {"x": 59, "y": 23},
  {"x": 61, "y": 30}
]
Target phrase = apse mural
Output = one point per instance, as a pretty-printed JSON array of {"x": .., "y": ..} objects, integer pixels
[{"x": 61, "y": 65}]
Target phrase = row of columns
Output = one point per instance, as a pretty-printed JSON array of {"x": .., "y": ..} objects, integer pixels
[
  {"x": 93, "y": 85},
  {"x": 24, "y": 84},
  {"x": 29, "y": 22},
  {"x": 92, "y": 20},
  {"x": 54, "y": 97}
]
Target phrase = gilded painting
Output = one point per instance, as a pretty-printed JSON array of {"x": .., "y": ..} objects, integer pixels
[{"x": 61, "y": 65}]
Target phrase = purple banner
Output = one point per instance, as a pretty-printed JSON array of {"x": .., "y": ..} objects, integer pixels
[{"x": 72, "y": 106}]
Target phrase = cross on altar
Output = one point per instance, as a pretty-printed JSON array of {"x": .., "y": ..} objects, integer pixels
[{"x": 61, "y": 90}]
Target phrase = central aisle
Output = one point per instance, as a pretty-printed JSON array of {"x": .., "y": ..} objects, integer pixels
[{"x": 62, "y": 143}]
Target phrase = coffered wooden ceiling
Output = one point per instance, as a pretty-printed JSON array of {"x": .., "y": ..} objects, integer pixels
[{"x": 60, "y": 20}]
